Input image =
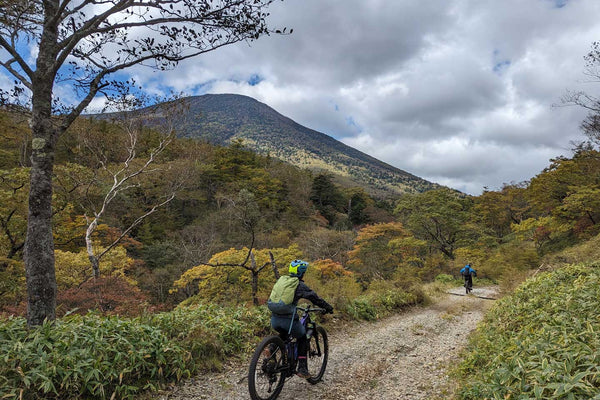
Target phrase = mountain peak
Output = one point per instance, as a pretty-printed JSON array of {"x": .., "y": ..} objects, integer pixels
[{"x": 222, "y": 118}]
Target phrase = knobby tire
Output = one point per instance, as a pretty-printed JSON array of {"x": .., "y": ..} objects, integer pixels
[
  {"x": 318, "y": 354},
  {"x": 266, "y": 374}
]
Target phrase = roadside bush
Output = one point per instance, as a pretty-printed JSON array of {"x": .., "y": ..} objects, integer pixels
[
  {"x": 392, "y": 300},
  {"x": 101, "y": 357},
  {"x": 231, "y": 328},
  {"x": 586, "y": 252},
  {"x": 445, "y": 278},
  {"x": 541, "y": 342},
  {"x": 333, "y": 283},
  {"x": 509, "y": 260},
  {"x": 361, "y": 308},
  {"x": 88, "y": 356},
  {"x": 380, "y": 303}
]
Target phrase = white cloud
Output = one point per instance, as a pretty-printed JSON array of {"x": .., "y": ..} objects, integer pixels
[{"x": 460, "y": 92}]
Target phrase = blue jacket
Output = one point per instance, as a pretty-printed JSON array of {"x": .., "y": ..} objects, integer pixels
[{"x": 467, "y": 270}]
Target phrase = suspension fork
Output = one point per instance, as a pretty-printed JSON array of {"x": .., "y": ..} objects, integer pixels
[{"x": 317, "y": 341}]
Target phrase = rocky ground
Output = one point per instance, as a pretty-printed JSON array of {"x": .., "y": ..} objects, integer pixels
[{"x": 405, "y": 356}]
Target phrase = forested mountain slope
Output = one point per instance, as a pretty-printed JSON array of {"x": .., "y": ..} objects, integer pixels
[{"x": 222, "y": 118}]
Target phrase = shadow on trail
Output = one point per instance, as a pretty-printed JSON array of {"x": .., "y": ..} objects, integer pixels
[{"x": 474, "y": 295}]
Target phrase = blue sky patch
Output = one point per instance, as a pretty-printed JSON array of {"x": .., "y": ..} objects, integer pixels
[
  {"x": 501, "y": 66},
  {"x": 559, "y": 3},
  {"x": 254, "y": 80},
  {"x": 352, "y": 123}
]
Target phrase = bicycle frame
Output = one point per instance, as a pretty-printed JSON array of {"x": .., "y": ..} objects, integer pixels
[{"x": 291, "y": 344}]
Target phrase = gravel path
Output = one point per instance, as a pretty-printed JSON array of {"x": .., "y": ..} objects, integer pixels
[{"x": 402, "y": 357}]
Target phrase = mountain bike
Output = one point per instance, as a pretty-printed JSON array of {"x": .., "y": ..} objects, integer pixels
[
  {"x": 468, "y": 287},
  {"x": 275, "y": 360}
]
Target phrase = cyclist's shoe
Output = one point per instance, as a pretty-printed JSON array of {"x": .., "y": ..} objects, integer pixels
[{"x": 303, "y": 369}]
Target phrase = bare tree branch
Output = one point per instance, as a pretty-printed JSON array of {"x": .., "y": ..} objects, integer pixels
[{"x": 82, "y": 44}]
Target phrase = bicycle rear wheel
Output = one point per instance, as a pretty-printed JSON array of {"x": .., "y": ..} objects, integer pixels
[
  {"x": 266, "y": 374},
  {"x": 318, "y": 353}
]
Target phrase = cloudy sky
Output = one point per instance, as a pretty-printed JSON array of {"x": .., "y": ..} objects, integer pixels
[{"x": 460, "y": 92}]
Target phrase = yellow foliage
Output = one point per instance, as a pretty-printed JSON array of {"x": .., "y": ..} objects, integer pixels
[
  {"x": 234, "y": 281},
  {"x": 282, "y": 256},
  {"x": 470, "y": 255},
  {"x": 196, "y": 273},
  {"x": 12, "y": 281},
  {"x": 338, "y": 289},
  {"x": 72, "y": 269}
]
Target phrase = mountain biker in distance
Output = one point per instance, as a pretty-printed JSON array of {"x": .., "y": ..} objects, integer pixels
[
  {"x": 286, "y": 293},
  {"x": 468, "y": 273}
]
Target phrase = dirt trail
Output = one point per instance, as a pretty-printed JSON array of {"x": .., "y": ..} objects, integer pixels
[{"x": 402, "y": 357}]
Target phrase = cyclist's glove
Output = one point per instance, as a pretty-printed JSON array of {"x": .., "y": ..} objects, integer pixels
[{"x": 328, "y": 310}]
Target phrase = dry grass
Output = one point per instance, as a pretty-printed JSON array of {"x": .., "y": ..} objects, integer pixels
[{"x": 368, "y": 374}]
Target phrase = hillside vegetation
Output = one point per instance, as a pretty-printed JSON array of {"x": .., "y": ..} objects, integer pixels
[
  {"x": 541, "y": 342},
  {"x": 176, "y": 264}
]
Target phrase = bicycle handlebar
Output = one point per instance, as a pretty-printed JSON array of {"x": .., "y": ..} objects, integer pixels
[{"x": 310, "y": 309}]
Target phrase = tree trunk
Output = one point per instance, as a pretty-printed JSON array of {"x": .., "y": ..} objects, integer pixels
[
  {"x": 274, "y": 266},
  {"x": 589, "y": 214},
  {"x": 254, "y": 279},
  {"x": 39, "y": 244},
  {"x": 94, "y": 261},
  {"x": 254, "y": 287}
]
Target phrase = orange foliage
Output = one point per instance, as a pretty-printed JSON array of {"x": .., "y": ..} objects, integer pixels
[
  {"x": 374, "y": 254},
  {"x": 329, "y": 269},
  {"x": 112, "y": 296}
]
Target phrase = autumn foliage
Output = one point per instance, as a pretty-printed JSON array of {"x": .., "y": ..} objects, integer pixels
[{"x": 110, "y": 296}]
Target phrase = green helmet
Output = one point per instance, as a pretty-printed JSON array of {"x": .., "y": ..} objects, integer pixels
[{"x": 298, "y": 267}]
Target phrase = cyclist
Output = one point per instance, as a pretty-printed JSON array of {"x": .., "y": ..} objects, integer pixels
[
  {"x": 468, "y": 273},
  {"x": 286, "y": 293}
]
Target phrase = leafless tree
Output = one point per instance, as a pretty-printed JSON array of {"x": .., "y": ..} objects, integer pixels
[
  {"x": 82, "y": 44},
  {"x": 591, "y": 124},
  {"x": 125, "y": 176}
]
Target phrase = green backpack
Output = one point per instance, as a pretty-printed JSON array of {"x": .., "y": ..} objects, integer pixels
[{"x": 281, "y": 300}]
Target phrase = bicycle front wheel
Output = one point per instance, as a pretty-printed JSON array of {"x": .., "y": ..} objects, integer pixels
[
  {"x": 318, "y": 353},
  {"x": 266, "y": 375}
]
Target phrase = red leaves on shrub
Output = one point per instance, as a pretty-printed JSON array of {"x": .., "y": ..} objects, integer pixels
[{"x": 110, "y": 295}]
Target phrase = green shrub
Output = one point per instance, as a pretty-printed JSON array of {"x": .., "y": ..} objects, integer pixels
[
  {"x": 508, "y": 259},
  {"x": 226, "y": 329},
  {"x": 587, "y": 252},
  {"x": 375, "y": 305},
  {"x": 89, "y": 356},
  {"x": 541, "y": 342},
  {"x": 391, "y": 300},
  {"x": 94, "y": 356},
  {"x": 361, "y": 308},
  {"x": 445, "y": 278},
  {"x": 100, "y": 357}
]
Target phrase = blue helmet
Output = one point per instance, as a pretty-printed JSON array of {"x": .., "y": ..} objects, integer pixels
[{"x": 298, "y": 267}]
